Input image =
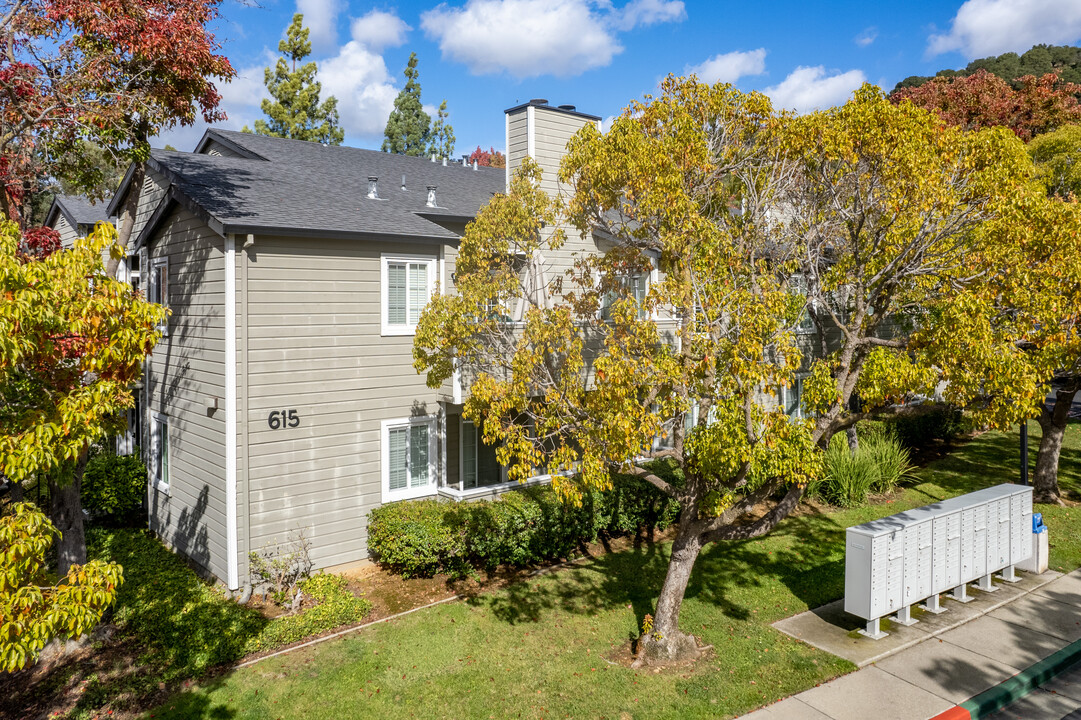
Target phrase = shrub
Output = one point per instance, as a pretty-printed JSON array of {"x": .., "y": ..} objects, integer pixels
[
  {"x": 879, "y": 464},
  {"x": 891, "y": 459},
  {"x": 336, "y": 606},
  {"x": 522, "y": 527},
  {"x": 848, "y": 476},
  {"x": 416, "y": 538},
  {"x": 113, "y": 489},
  {"x": 937, "y": 422},
  {"x": 281, "y": 567}
]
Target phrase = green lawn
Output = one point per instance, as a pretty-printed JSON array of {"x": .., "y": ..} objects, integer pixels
[{"x": 538, "y": 648}]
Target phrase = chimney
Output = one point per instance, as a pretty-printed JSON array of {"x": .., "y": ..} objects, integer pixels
[
  {"x": 431, "y": 196},
  {"x": 373, "y": 189},
  {"x": 535, "y": 123}
]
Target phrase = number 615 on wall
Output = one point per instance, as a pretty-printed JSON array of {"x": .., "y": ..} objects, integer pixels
[{"x": 283, "y": 418}]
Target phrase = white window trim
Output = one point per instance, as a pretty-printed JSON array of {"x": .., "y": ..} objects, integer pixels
[
  {"x": 157, "y": 419},
  {"x": 409, "y": 493},
  {"x": 453, "y": 492},
  {"x": 430, "y": 262},
  {"x": 156, "y": 263}
]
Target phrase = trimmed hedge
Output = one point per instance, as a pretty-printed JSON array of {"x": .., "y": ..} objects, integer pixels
[{"x": 419, "y": 538}]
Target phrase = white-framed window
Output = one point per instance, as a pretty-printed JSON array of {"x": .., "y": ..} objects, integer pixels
[
  {"x": 409, "y": 457},
  {"x": 407, "y": 282},
  {"x": 158, "y": 287},
  {"x": 637, "y": 286},
  {"x": 479, "y": 468},
  {"x": 791, "y": 398},
  {"x": 159, "y": 441}
]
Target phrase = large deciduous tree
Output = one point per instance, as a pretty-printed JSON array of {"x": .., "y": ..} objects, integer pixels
[
  {"x": 71, "y": 343},
  {"x": 749, "y": 219},
  {"x": 983, "y": 100},
  {"x": 488, "y": 158},
  {"x": 408, "y": 127},
  {"x": 33, "y": 610},
  {"x": 111, "y": 73},
  {"x": 295, "y": 111}
]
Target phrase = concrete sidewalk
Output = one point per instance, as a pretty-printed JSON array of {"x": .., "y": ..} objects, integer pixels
[{"x": 927, "y": 674}]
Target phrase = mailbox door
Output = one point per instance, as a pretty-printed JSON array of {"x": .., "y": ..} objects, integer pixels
[
  {"x": 979, "y": 542},
  {"x": 953, "y": 550},
  {"x": 968, "y": 536}
]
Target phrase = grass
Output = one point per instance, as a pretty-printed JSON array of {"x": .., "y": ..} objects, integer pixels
[{"x": 538, "y": 649}]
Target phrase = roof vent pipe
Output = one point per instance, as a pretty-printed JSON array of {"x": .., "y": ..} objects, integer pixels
[
  {"x": 474, "y": 166},
  {"x": 373, "y": 189},
  {"x": 403, "y": 183},
  {"x": 431, "y": 196},
  {"x": 444, "y": 161},
  {"x": 433, "y": 157}
]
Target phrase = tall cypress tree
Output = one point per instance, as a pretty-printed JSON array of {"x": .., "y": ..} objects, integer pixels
[
  {"x": 442, "y": 135},
  {"x": 408, "y": 130},
  {"x": 295, "y": 111}
]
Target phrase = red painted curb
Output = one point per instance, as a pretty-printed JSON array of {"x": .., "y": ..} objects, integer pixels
[{"x": 954, "y": 713}]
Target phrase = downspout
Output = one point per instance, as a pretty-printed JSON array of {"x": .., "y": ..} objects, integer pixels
[{"x": 230, "y": 412}]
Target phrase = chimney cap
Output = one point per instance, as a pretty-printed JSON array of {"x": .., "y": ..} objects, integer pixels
[
  {"x": 538, "y": 101},
  {"x": 542, "y": 103},
  {"x": 569, "y": 108}
]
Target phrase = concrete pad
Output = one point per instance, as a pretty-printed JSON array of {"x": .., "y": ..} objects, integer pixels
[
  {"x": 787, "y": 709},
  {"x": 1065, "y": 589},
  {"x": 873, "y": 693},
  {"x": 831, "y": 629},
  {"x": 1067, "y": 683},
  {"x": 1044, "y": 615},
  {"x": 958, "y": 613},
  {"x": 1037, "y": 704},
  {"x": 1005, "y": 642},
  {"x": 949, "y": 671}
]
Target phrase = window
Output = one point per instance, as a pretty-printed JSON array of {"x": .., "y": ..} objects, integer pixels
[
  {"x": 790, "y": 398},
  {"x": 160, "y": 457},
  {"x": 158, "y": 291},
  {"x": 409, "y": 451},
  {"x": 637, "y": 286},
  {"x": 407, "y": 285},
  {"x": 479, "y": 465}
]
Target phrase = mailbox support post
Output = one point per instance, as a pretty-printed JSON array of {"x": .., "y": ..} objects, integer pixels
[
  {"x": 985, "y": 584},
  {"x": 904, "y": 616},
  {"x": 873, "y": 631},
  {"x": 933, "y": 605},
  {"x": 960, "y": 593},
  {"x": 1009, "y": 575}
]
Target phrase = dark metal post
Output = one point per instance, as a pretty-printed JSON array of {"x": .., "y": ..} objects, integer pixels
[{"x": 1024, "y": 452}]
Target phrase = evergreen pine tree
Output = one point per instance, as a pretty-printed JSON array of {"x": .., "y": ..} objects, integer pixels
[
  {"x": 295, "y": 111},
  {"x": 442, "y": 134},
  {"x": 408, "y": 128}
]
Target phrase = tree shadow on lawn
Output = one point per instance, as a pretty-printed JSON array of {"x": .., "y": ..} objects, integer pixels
[
  {"x": 805, "y": 554},
  {"x": 172, "y": 627}
]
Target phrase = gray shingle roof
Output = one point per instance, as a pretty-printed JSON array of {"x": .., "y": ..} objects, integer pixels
[
  {"x": 305, "y": 188},
  {"x": 79, "y": 211}
]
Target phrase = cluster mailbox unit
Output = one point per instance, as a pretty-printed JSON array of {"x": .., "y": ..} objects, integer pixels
[{"x": 895, "y": 562}]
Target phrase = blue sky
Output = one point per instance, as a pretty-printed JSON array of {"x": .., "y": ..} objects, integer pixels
[{"x": 484, "y": 56}]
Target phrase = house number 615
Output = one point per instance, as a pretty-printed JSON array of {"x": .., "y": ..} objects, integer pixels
[{"x": 283, "y": 418}]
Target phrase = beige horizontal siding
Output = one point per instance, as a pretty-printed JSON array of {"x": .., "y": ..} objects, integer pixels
[{"x": 185, "y": 368}]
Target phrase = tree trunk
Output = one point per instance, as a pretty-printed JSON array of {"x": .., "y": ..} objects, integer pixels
[
  {"x": 853, "y": 439},
  {"x": 1053, "y": 426},
  {"x": 67, "y": 515},
  {"x": 127, "y": 216},
  {"x": 666, "y": 643}
]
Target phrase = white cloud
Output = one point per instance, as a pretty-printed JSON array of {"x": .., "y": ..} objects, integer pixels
[
  {"x": 992, "y": 27},
  {"x": 810, "y": 88},
  {"x": 648, "y": 12},
  {"x": 730, "y": 67},
  {"x": 607, "y": 123},
  {"x": 321, "y": 19},
  {"x": 358, "y": 78},
  {"x": 378, "y": 30},
  {"x": 866, "y": 37},
  {"x": 528, "y": 38}
]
